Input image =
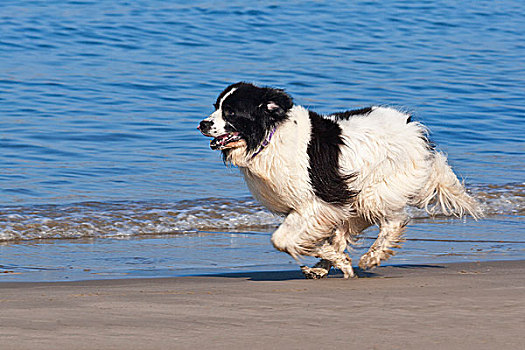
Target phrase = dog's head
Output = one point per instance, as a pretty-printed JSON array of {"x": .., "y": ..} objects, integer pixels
[{"x": 244, "y": 116}]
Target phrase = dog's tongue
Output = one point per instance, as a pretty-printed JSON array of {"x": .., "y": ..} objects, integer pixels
[{"x": 222, "y": 141}]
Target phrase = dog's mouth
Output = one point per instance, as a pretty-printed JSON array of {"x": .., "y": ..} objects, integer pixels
[{"x": 229, "y": 140}]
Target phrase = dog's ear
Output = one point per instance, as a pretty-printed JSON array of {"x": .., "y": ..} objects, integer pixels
[
  {"x": 277, "y": 103},
  {"x": 271, "y": 106}
]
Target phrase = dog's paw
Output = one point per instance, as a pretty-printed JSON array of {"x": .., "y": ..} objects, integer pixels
[
  {"x": 348, "y": 272},
  {"x": 369, "y": 260},
  {"x": 314, "y": 273}
]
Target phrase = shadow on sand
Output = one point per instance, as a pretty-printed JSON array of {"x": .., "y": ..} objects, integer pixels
[{"x": 390, "y": 271}]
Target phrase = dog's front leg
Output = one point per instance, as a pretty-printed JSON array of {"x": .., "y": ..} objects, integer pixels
[
  {"x": 288, "y": 237},
  {"x": 308, "y": 234},
  {"x": 292, "y": 237},
  {"x": 330, "y": 256}
]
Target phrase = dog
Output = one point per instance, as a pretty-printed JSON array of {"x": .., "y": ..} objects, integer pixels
[{"x": 333, "y": 176}]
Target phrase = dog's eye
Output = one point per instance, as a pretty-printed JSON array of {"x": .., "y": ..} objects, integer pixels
[{"x": 228, "y": 113}]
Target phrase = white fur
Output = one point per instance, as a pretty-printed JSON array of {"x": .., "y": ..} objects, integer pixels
[
  {"x": 393, "y": 166},
  {"x": 278, "y": 175}
]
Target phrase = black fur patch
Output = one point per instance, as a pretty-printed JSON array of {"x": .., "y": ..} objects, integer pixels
[
  {"x": 324, "y": 151},
  {"x": 246, "y": 111},
  {"x": 347, "y": 114}
]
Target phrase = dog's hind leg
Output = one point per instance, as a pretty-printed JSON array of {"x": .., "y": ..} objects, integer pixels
[{"x": 390, "y": 236}]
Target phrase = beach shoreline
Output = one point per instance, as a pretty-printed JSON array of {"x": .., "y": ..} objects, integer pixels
[{"x": 475, "y": 305}]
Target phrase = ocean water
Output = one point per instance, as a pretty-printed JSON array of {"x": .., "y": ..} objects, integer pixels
[{"x": 104, "y": 174}]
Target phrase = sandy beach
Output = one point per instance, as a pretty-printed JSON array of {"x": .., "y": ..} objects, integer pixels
[{"x": 449, "y": 306}]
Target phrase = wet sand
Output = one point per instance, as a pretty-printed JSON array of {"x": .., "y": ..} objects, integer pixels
[{"x": 449, "y": 306}]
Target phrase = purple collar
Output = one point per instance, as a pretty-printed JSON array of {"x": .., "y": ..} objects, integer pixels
[{"x": 265, "y": 143}]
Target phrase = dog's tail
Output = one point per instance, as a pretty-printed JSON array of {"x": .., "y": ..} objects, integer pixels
[{"x": 444, "y": 190}]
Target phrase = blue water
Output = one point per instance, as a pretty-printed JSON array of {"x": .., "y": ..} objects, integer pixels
[{"x": 99, "y": 103}]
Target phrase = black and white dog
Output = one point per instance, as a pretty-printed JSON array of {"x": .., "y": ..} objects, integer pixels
[{"x": 333, "y": 176}]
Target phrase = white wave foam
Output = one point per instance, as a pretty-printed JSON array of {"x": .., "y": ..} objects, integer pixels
[
  {"x": 93, "y": 219},
  {"x": 86, "y": 220}
]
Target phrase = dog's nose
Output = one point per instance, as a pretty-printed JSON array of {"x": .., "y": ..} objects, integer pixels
[{"x": 204, "y": 126}]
